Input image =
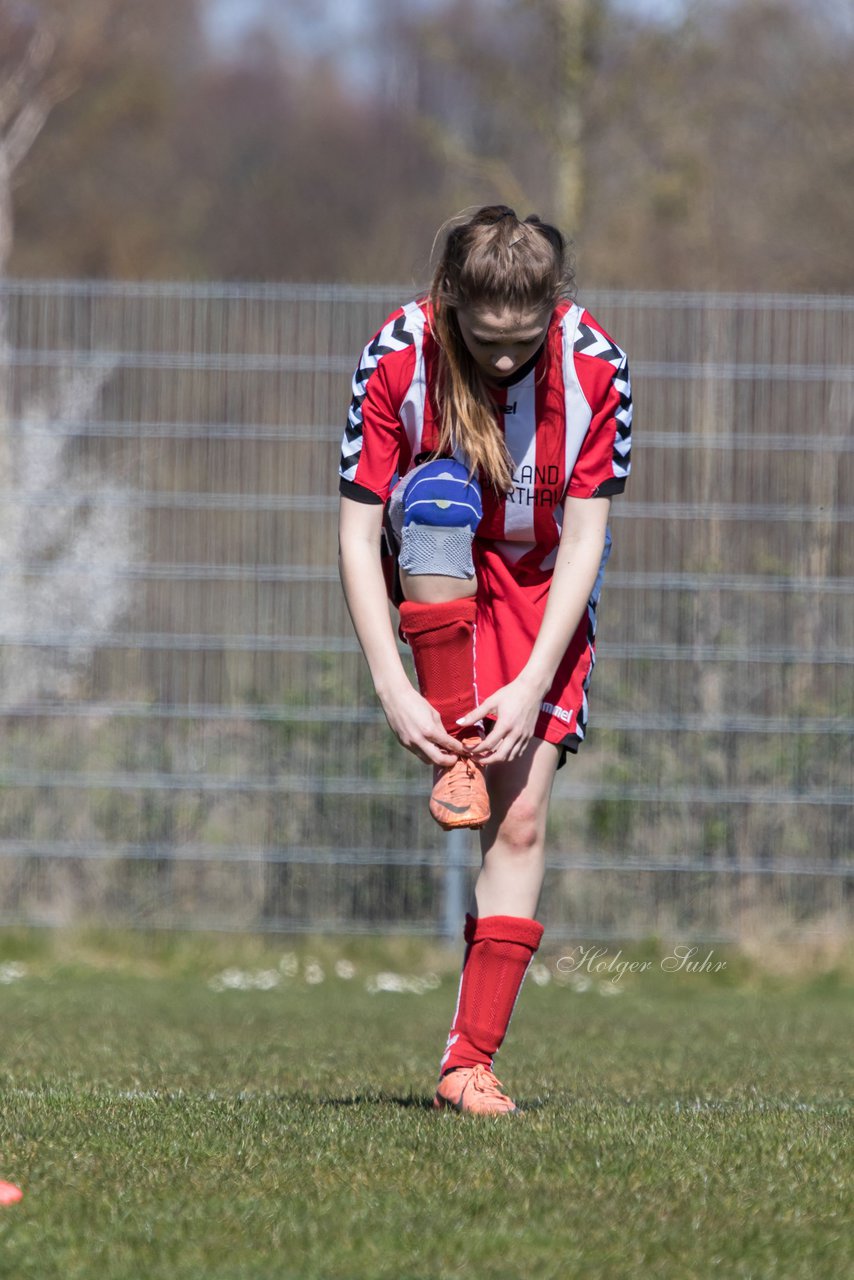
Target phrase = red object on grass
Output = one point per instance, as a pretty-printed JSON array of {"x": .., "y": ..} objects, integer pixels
[{"x": 9, "y": 1193}]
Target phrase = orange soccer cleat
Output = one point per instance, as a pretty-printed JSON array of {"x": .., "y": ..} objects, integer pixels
[
  {"x": 459, "y": 797},
  {"x": 474, "y": 1090}
]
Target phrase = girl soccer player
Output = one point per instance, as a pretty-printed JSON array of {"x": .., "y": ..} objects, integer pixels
[{"x": 489, "y": 429}]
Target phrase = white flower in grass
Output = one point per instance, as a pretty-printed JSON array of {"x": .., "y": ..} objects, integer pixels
[
  {"x": 313, "y": 973},
  {"x": 383, "y": 982},
  {"x": 400, "y": 983},
  {"x": 289, "y": 965},
  {"x": 229, "y": 980},
  {"x": 12, "y": 971},
  {"x": 610, "y": 989},
  {"x": 540, "y": 975},
  {"x": 266, "y": 979},
  {"x": 580, "y": 983},
  {"x": 245, "y": 980},
  {"x": 345, "y": 969}
]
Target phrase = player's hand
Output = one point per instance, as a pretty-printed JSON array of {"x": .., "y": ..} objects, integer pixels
[
  {"x": 514, "y": 708},
  {"x": 418, "y": 727}
]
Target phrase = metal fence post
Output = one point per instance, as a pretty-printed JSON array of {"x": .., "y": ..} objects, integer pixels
[{"x": 456, "y": 853}]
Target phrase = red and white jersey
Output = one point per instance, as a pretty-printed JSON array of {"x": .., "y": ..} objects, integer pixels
[{"x": 566, "y": 418}]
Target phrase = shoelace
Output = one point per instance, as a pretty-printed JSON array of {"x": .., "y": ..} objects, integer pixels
[
  {"x": 485, "y": 1082},
  {"x": 460, "y": 776}
]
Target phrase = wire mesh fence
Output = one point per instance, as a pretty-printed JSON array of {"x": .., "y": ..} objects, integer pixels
[{"x": 190, "y": 737}]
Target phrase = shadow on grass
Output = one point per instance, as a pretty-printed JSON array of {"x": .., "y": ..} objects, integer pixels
[
  {"x": 379, "y": 1100},
  {"x": 421, "y": 1103}
]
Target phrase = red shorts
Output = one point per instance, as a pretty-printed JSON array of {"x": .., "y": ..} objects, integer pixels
[
  {"x": 510, "y": 607},
  {"x": 510, "y": 611}
]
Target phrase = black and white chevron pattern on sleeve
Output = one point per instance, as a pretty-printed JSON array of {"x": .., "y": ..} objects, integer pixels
[
  {"x": 623, "y": 418},
  {"x": 590, "y": 342},
  {"x": 395, "y": 336}
]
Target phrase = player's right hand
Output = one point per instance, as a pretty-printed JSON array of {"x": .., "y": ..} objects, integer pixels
[{"x": 418, "y": 727}]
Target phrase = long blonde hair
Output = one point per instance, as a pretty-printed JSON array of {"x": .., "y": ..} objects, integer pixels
[{"x": 496, "y": 260}]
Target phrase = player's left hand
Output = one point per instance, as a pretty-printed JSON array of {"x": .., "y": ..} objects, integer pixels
[{"x": 514, "y": 708}]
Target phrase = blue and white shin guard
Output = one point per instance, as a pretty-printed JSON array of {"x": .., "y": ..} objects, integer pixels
[{"x": 434, "y": 512}]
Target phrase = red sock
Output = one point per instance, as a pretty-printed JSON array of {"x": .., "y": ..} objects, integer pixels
[
  {"x": 441, "y": 637},
  {"x": 498, "y": 952}
]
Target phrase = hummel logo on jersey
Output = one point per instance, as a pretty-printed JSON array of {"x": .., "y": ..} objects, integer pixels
[{"x": 508, "y": 408}]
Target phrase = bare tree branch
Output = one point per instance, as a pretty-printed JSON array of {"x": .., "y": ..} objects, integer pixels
[
  {"x": 30, "y": 69},
  {"x": 27, "y": 96},
  {"x": 26, "y": 128},
  {"x": 5, "y": 226},
  {"x": 454, "y": 152}
]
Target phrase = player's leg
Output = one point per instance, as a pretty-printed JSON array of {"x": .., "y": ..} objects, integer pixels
[
  {"x": 434, "y": 513},
  {"x": 513, "y": 841},
  {"x": 500, "y": 932}
]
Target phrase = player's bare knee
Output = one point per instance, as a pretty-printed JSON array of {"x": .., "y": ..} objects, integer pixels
[{"x": 521, "y": 828}]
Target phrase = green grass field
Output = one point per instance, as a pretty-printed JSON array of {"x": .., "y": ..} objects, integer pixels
[{"x": 162, "y": 1124}]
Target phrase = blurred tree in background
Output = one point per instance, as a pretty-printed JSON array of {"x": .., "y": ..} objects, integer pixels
[{"x": 712, "y": 147}]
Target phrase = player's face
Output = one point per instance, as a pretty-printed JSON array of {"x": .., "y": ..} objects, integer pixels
[{"x": 501, "y": 341}]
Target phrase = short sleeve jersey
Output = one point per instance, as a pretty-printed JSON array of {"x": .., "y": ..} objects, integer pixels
[{"x": 566, "y": 418}]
